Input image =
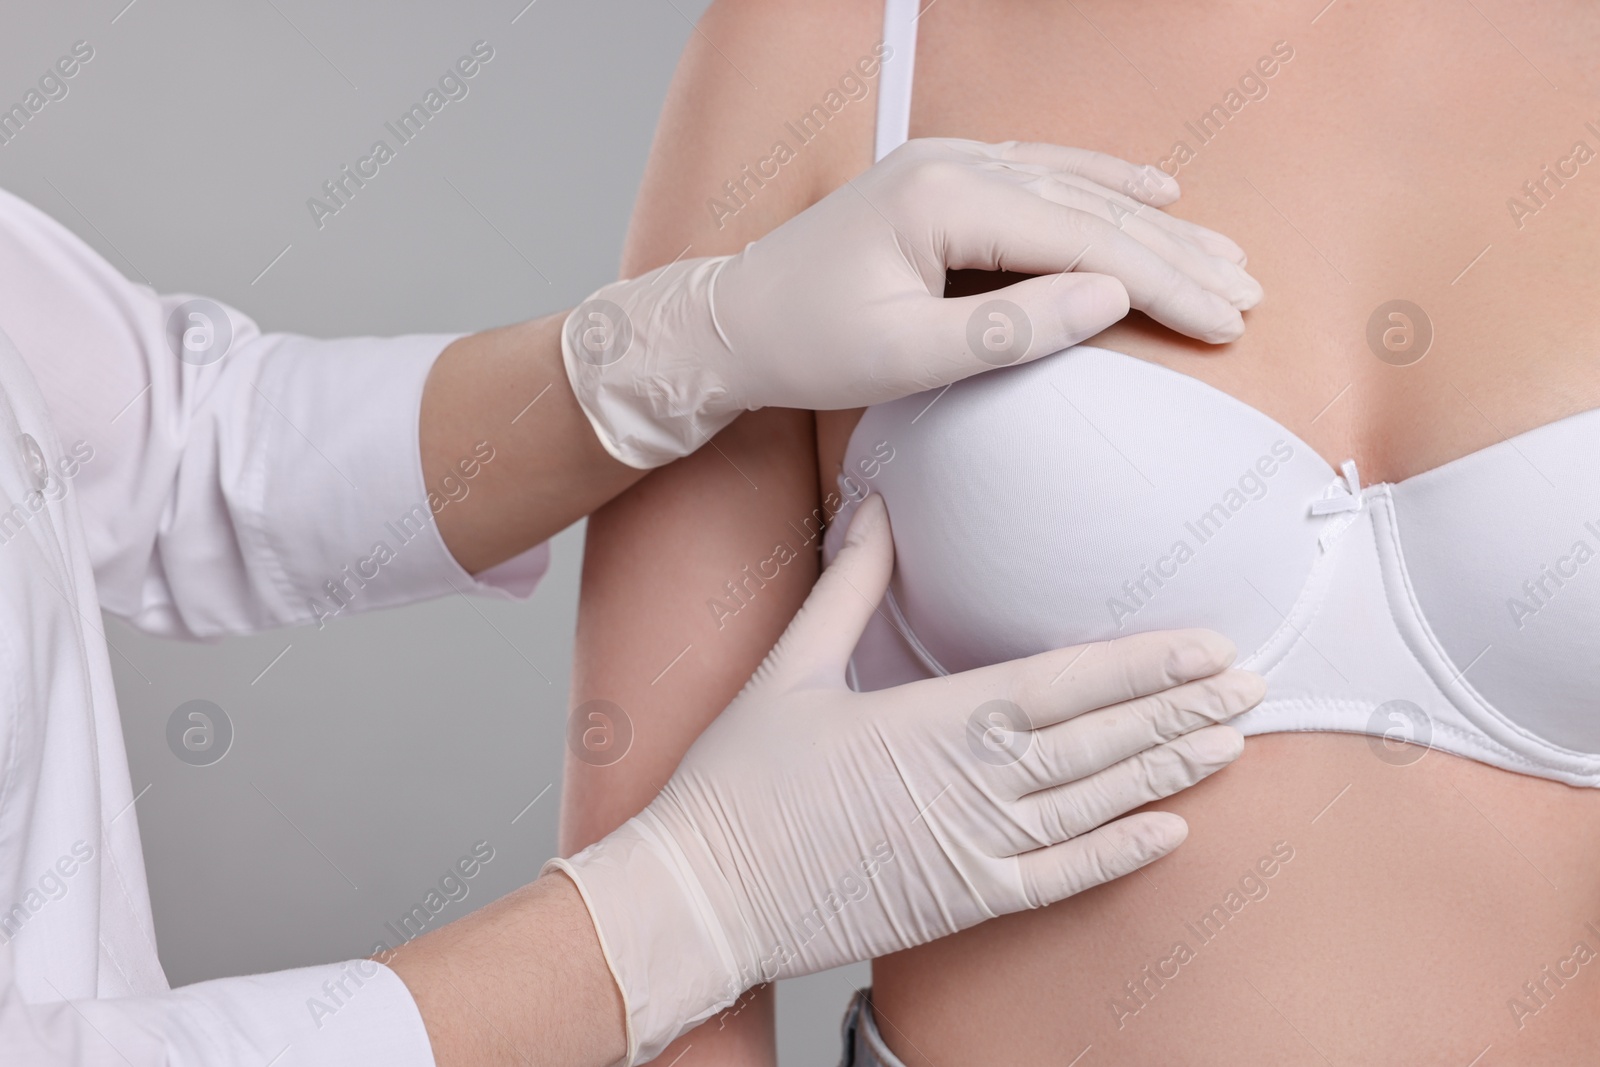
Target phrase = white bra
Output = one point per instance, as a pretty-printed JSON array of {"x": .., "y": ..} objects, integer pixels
[{"x": 1090, "y": 494}]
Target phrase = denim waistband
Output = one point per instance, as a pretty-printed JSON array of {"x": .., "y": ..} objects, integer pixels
[{"x": 863, "y": 1045}]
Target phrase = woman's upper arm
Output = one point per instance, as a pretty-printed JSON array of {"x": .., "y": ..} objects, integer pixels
[
  {"x": 767, "y": 113},
  {"x": 691, "y": 576},
  {"x": 688, "y": 561}
]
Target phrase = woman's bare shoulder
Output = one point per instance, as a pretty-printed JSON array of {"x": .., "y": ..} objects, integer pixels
[{"x": 772, "y": 106}]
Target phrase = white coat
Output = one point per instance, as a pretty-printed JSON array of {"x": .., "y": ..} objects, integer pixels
[{"x": 195, "y": 484}]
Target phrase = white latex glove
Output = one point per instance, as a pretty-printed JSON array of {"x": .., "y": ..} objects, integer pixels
[
  {"x": 843, "y": 305},
  {"x": 811, "y": 826}
]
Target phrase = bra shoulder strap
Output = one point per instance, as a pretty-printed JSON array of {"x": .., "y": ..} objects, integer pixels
[{"x": 894, "y": 80}]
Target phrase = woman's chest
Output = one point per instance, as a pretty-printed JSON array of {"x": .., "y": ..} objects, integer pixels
[{"x": 1419, "y": 195}]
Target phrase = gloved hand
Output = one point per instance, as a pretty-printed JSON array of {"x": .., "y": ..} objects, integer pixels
[
  {"x": 811, "y": 826},
  {"x": 842, "y": 306}
]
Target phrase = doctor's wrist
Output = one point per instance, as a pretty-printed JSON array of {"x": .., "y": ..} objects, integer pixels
[
  {"x": 508, "y": 456},
  {"x": 522, "y": 980}
]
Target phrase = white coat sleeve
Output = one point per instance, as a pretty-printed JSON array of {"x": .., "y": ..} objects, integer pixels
[
  {"x": 232, "y": 480},
  {"x": 339, "y": 1015}
]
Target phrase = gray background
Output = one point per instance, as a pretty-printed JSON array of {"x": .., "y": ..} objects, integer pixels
[{"x": 373, "y": 753}]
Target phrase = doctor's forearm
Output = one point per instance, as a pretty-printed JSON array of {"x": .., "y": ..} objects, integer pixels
[
  {"x": 521, "y": 981},
  {"x": 507, "y": 389}
]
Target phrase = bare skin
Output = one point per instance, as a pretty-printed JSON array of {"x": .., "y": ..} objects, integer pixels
[
  {"x": 1378, "y": 166},
  {"x": 521, "y": 981},
  {"x": 507, "y": 388}
]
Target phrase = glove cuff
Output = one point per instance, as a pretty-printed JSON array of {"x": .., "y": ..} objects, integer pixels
[
  {"x": 647, "y": 361},
  {"x": 662, "y": 940}
]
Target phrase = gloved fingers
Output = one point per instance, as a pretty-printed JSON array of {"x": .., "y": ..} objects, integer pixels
[
  {"x": 1020, "y": 322},
  {"x": 1154, "y": 229},
  {"x": 1064, "y": 683},
  {"x": 824, "y": 632},
  {"x": 1065, "y": 812},
  {"x": 1147, "y": 184},
  {"x": 1021, "y": 231},
  {"x": 1119, "y": 848},
  {"x": 1155, "y": 286},
  {"x": 1090, "y": 743},
  {"x": 1138, "y": 181},
  {"x": 1038, "y": 177},
  {"x": 1212, "y": 242}
]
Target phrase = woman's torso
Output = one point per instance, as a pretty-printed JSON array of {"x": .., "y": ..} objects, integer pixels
[{"x": 1381, "y": 161}]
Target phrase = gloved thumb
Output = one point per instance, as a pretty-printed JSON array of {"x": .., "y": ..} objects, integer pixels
[
  {"x": 1029, "y": 319},
  {"x": 819, "y": 641}
]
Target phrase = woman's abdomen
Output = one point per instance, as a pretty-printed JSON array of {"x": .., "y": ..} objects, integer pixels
[{"x": 1337, "y": 901}]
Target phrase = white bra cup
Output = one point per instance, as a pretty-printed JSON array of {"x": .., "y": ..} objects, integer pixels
[
  {"x": 1084, "y": 496},
  {"x": 1503, "y": 551}
]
